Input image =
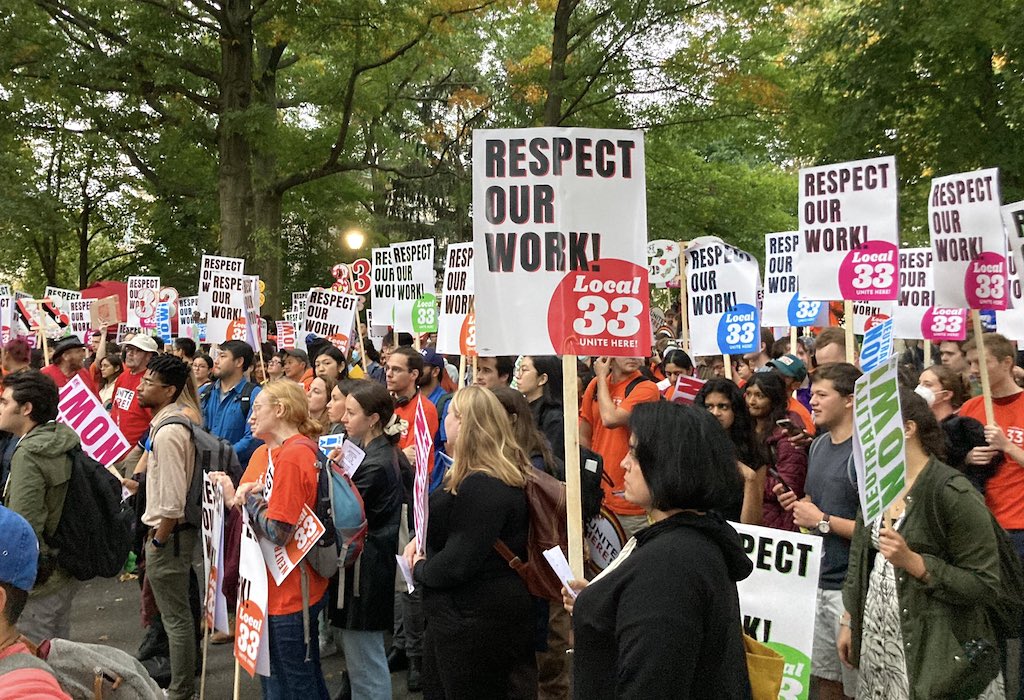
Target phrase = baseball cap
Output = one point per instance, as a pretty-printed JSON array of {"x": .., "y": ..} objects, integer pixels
[
  {"x": 63, "y": 345},
  {"x": 791, "y": 366},
  {"x": 145, "y": 343},
  {"x": 430, "y": 357},
  {"x": 297, "y": 354},
  {"x": 19, "y": 550}
]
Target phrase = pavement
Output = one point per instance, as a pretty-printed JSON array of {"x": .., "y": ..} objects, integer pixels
[{"x": 106, "y": 611}]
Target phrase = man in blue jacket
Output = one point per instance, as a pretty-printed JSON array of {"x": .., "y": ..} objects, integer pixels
[{"x": 227, "y": 401}]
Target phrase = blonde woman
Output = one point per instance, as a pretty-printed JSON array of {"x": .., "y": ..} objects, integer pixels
[{"x": 479, "y": 614}]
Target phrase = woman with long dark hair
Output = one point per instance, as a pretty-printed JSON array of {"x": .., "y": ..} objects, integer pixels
[{"x": 539, "y": 379}]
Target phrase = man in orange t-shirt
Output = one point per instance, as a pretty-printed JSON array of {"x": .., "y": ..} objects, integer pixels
[
  {"x": 604, "y": 427},
  {"x": 404, "y": 369}
]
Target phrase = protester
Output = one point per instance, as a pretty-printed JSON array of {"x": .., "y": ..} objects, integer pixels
[
  {"x": 492, "y": 372},
  {"x": 132, "y": 419},
  {"x": 170, "y": 541},
  {"x": 36, "y": 487},
  {"x": 20, "y": 678},
  {"x": 67, "y": 361},
  {"x": 336, "y": 405},
  {"x": 296, "y": 367},
  {"x": 368, "y": 607},
  {"x": 768, "y": 403},
  {"x": 951, "y": 354},
  {"x": 227, "y": 402},
  {"x": 539, "y": 378},
  {"x": 184, "y": 349},
  {"x": 674, "y": 365},
  {"x": 757, "y": 360},
  {"x": 330, "y": 362},
  {"x": 374, "y": 365},
  {"x": 477, "y": 608},
  {"x": 726, "y": 403},
  {"x": 830, "y": 346},
  {"x": 275, "y": 367},
  {"x": 110, "y": 369},
  {"x": 829, "y": 509},
  {"x": 274, "y": 503},
  {"x": 16, "y": 356},
  {"x": 661, "y": 620},
  {"x": 793, "y": 373},
  {"x": 318, "y": 396},
  {"x": 202, "y": 370},
  {"x": 604, "y": 417},
  {"x": 435, "y": 383},
  {"x": 916, "y": 591}
]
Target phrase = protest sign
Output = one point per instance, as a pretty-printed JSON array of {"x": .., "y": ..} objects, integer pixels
[
  {"x": 721, "y": 283},
  {"x": 162, "y": 321},
  {"x": 299, "y": 303},
  {"x": 1011, "y": 320},
  {"x": 384, "y": 286},
  {"x": 413, "y": 269},
  {"x": 374, "y": 332},
  {"x": 216, "y": 604},
  {"x": 866, "y": 315},
  {"x": 686, "y": 389},
  {"x": 79, "y": 314},
  {"x": 330, "y": 315},
  {"x": 560, "y": 229},
  {"x": 251, "y": 612},
  {"x": 189, "y": 320},
  {"x": 967, "y": 240},
  {"x": 849, "y": 231},
  {"x": 254, "y": 334},
  {"x": 662, "y": 262},
  {"x": 222, "y": 297},
  {"x": 281, "y": 561},
  {"x": 143, "y": 295},
  {"x": 295, "y": 317},
  {"x": 7, "y": 317},
  {"x": 879, "y": 455},
  {"x": 424, "y": 444},
  {"x": 62, "y": 298},
  {"x": 877, "y": 345},
  {"x": 781, "y": 304},
  {"x": 424, "y": 314},
  {"x": 285, "y": 335},
  {"x": 361, "y": 279},
  {"x": 604, "y": 538},
  {"x": 105, "y": 312},
  {"x": 80, "y": 410},
  {"x": 456, "y": 296},
  {"x": 779, "y": 598}
]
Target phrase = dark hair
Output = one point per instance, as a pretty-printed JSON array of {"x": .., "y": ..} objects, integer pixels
[
  {"x": 772, "y": 386},
  {"x": 585, "y": 373},
  {"x": 405, "y": 340},
  {"x": 779, "y": 348},
  {"x": 16, "y": 600},
  {"x": 207, "y": 360},
  {"x": 830, "y": 336},
  {"x": 171, "y": 371},
  {"x": 742, "y": 431},
  {"x": 695, "y": 469},
  {"x": 34, "y": 387},
  {"x": 530, "y": 439},
  {"x": 372, "y": 397},
  {"x": 413, "y": 360},
  {"x": 551, "y": 365},
  {"x": 676, "y": 357},
  {"x": 239, "y": 349},
  {"x": 843, "y": 376},
  {"x": 767, "y": 340},
  {"x": 370, "y": 351},
  {"x": 36, "y": 358},
  {"x": 187, "y": 346},
  {"x": 339, "y": 357},
  {"x": 115, "y": 360},
  {"x": 951, "y": 381},
  {"x": 931, "y": 436}
]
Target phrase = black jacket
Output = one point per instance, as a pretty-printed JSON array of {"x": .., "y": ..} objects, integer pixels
[
  {"x": 379, "y": 484},
  {"x": 665, "y": 622},
  {"x": 550, "y": 420}
]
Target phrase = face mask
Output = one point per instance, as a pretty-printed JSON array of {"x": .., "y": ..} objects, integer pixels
[{"x": 925, "y": 393}]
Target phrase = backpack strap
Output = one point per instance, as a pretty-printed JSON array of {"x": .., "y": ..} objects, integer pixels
[
  {"x": 246, "y": 401},
  {"x": 21, "y": 662},
  {"x": 204, "y": 395},
  {"x": 634, "y": 384},
  {"x": 509, "y": 556}
]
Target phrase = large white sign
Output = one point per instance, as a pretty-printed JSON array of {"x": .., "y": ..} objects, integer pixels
[
  {"x": 915, "y": 315},
  {"x": 143, "y": 294},
  {"x": 216, "y": 606},
  {"x": 778, "y": 600},
  {"x": 80, "y": 320},
  {"x": 222, "y": 298},
  {"x": 1010, "y": 322},
  {"x": 968, "y": 240},
  {"x": 413, "y": 263},
  {"x": 781, "y": 304},
  {"x": 560, "y": 242},
  {"x": 849, "y": 231},
  {"x": 251, "y": 618},
  {"x": 456, "y": 298},
  {"x": 330, "y": 315},
  {"x": 866, "y": 315},
  {"x": 721, "y": 305},
  {"x": 383, "y": 286}
]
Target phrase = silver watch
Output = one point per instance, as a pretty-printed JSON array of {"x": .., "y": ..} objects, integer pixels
[{"x": 823, "y": 527}]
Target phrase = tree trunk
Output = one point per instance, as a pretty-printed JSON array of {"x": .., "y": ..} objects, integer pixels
[{"x": 559, "y": 55}]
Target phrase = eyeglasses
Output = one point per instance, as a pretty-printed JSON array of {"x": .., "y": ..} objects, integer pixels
[
  {"x": 274, "y": 362},
  {"x": 149, "y": 382}
]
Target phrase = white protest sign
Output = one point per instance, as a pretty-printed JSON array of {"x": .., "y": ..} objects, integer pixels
[
  {"x": 281, "y": 561},
  {"x": 662, "y": 262},
  {"x": 143, "y": 294},
  {"x": 299, "y": 302},
  {"x": 866, "y": 315},
  {"x": 374, "y": 332},
  {"x": 781, "y": 304},
  {"x": 779, "y": 598},
  {"x": 413, "y": 263},
  {"x": 967, "y": 238},
  {"x": 384, "y": 287},
  {"x": 251, "y": 611},
  {"x": 877, "y": 345},
  {"x": 560, "y": 237},
  {"x": 721, "y": 284},
  {"x": 216, "y": 605},
  {"x": 222, "y": 298},
  {"x": 1011, "y": 320},
  {"x": 330, "y": 315},
  {"x": 81, "y": 324},
  {"x": 849, "y": 231},
  {"x": 879, "y": 455},
  {"x": 253, "y": 323},
  {"x": 456, "y": 297},
  {"x": 917, "y": 292},
  {"x": 285, "y": 335},
  {"x": 80, "y": 410},
  {"x": 6, "y": 316},
  {"x": 188, "y": 318},
  {"x": 62, "y": 298}
]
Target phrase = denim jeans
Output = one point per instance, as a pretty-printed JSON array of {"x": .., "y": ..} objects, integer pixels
[
  {"x": 367, "y": 664},
  {"x": 291, "y": 676}
]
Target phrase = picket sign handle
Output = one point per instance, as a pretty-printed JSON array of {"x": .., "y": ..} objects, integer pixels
[
  {"x": 727, "y": 366},
  {"x": 573, "y": 507},
  {"x": 41, "y": 334},
  {"x": 927, "y": 354},
  {"x": 792, "y": 340},
  {"x": 462, "y": 372},
  {"x": 851, "y": 355},
  {"x": 474, "y": 368},
  {"x": 362, "y": 343},
  {"x": 684, "y": 321},
  {"x": 206, "y": 653},
  {"x": 238, "y": 681},
  {"x": 986, "y": 388}
]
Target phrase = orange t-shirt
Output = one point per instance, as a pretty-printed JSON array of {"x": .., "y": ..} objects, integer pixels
[
  {"x": 798, "y": 408},
  {"x": 293, "y": 484},
  {"x": 408, "y": 414},
  {"x": 1004, "y": 492},
  {"x": 613, "y": 443}
]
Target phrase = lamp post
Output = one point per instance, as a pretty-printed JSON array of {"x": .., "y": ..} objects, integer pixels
[{"x": 354, "y": 239}]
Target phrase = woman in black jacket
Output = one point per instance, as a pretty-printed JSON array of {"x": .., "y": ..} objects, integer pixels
[
  {"x": 539, "y": 379},
  {"x": 663, "y": 619},
  {"x": 478, "y": 641},
  {"x": 364, "y": 616}
]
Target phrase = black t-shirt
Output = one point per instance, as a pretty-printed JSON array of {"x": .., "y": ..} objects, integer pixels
[{"x": 829, "y": 487}]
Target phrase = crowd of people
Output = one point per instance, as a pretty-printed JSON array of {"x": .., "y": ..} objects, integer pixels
[{"x": 901, "y": 605}]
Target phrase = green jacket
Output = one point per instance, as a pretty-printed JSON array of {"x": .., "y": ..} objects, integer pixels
[
  {"x": 40, "y": 471},
  {"x": 948, "y": 524}
]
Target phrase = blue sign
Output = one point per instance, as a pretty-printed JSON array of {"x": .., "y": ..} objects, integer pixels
[
  {"x": 803, "y": 312},
  {"x": 739, "y": 331},
  {"x": 163, "y": 321},
  {"x": 877, "y": 347}
]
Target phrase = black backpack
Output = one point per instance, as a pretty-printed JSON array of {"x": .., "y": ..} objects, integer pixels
[{"x": 94, "y": 533}]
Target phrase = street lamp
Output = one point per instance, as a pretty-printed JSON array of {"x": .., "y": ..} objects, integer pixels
[{"x": 354, "y": 239}]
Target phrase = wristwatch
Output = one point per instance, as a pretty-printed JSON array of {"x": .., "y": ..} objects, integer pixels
[
  {"x": 157, "y": 543},
  {"x": 823, "y": 527}
]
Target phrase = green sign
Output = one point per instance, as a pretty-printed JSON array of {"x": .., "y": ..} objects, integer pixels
[
  {"x": 424, "y": 314},
  {"x": 879, "y": 453}
]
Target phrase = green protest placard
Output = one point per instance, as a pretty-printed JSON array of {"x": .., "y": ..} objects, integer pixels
[
  {"x": 424, "y": 314},
  {"x": 879, "y": 454}
]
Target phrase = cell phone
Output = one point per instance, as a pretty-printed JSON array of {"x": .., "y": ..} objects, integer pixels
[
  {"x": 775, "y": 472},
  {"x": 790, "y": 427}
]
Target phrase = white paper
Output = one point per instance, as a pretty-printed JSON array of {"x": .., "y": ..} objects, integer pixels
[
  {"x": 559, "y": 564},
  {"x": 351, "y": 458},
  {"x": 403, "y": 566}
]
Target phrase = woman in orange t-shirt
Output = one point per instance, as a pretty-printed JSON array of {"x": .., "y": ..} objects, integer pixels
[{"x": 280, "y": 480}]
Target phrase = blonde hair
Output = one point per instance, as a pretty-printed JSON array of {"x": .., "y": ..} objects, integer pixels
[
  {"x": 189, "y": 400},
  {"x": 485, "y": 442},
  {"x": 296, "y": 407}
]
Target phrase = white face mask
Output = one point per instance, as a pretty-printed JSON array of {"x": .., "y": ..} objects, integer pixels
[{"x": 925, "y": 393}]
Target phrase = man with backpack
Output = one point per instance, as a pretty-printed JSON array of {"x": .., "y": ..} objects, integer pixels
[
  {"x": 171, "y": 538},
  {"x": 227, "y": 401},
  {"x": 36, "y": 489}
]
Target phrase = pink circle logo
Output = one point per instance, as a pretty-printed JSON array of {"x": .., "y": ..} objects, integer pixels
[
  {"x": 985, "y": 282},
  {"x": 870, "y": 272},
  {"x": 939, "y": 324}
]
